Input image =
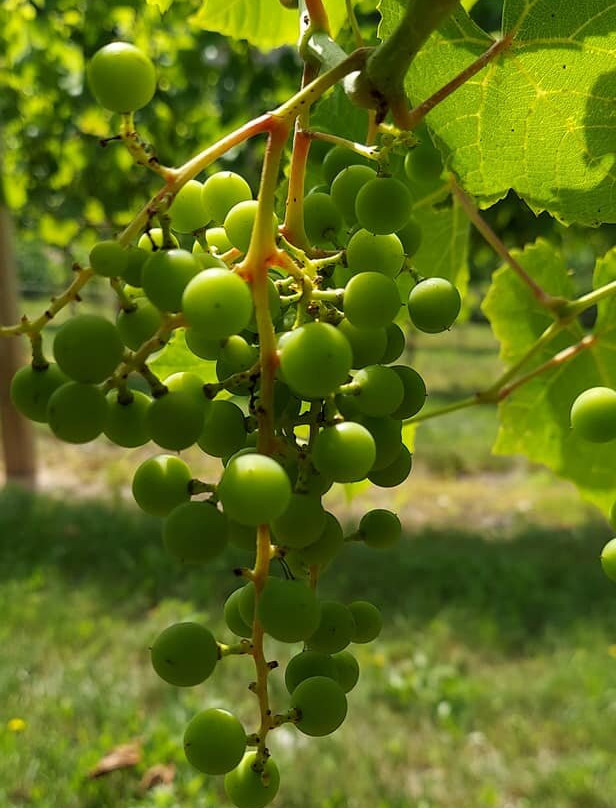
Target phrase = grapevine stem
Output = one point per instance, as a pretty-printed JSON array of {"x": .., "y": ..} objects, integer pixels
[
  {"x": 319, "y": 20},
  {"x": 576, "y": 307},
  {"x": 369, "y": 152},
  {"x": 359, "y": 40}
]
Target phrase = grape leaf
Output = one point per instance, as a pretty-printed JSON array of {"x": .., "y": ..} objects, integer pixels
[
  {"x": 176, "y": 357},
  {"x": 337, "y": 115},
  {"x": 534, "y": 419},
  {"x": 266, "y": 24},
  {"x": 540, "y": 118}
]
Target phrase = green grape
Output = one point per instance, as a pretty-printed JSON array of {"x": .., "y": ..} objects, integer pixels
[
  {"x": 423, "y": 163},
  {"x": 387, "y": 435},
  {"x": 217, "y": 240},
  {"x": 288, "y": 610},
  {"x": 187, "y": 382},
  {"x": 246, "y": 603},
  {"x": 202, "y": 346},
  {"x": 319, "y": 189},
  {"x": 184, "y": 654},
  {"x": 395, "y": 473},
  {"x": 410, "y": 237},
  {"x": 301, "y": 523},
  {"x": 612, "y": 516},
  {"x": 322, "y": 220},
  {"x": 313, "y": 483},
  {"x": 608, "y": 559},
  {"x": 383, "y": 205},
  {"x": 254, "y": 489},
  {"x": 224, "y": 429},
  {"x": 414, "y": 392},
  {"x": 223, "y": 191},
  {"x": 208, "y": 260},
  {"x": 345, "y": 188},
  {"x": 380, "y": 529},
  {"x": 347, "y": 670},
  {"x": 236, "y": 356},
  {"x": 153, "y": 240},
  {"x": 77, "y": 413},
  {"x": 217, "y": 303},
  {"x": 335, "y": 628},
  {"x": 161, "y": 484},
  {"x": 396, "y": 343},
  {"x": 327, "y": 546},
  {"x": 307, "y": 664},
  {"x": 234, "y": 620},
  {"x": 166, "y": 274},
  {"x": 371, "y": 300},
  {"x": 298, "y": 569},
  {"x": 242, "y": 536},
  {"x": 433, "y": 305},
  {"x": 321, "y": 704},
  {"x": 593, "y": 415},
  {"x": 367, "y": 344},
  {"x": 186, "y": 211},
  {"x": 249, "y": 787},
  {"x": 214, "y": 741},
  {"x": 380, "y": 390},
  {"x": 315, "y": 359},
  {"x": 195, "y": 532},
  {"x": 367, "y": 252},
  {"x": 344, "y": 452},
  {"x": 368, "y": 621},
  {"x": 175, "y": 419},
  {"x": 108, "y": 258},
  {"x": 239, "y": 224},
  {"x": 32, "y": 387},
  {"x": 138, "y": 325},
  {"x": 88, "y": 348},
  {"x": 337, "y": 159},
  {"x": 126, "y": 423},
  {"x": 133, "y": 271},
  {"x": 121, "y": 77}
]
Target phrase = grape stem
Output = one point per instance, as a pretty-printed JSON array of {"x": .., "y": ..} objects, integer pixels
[{"x": 369, "y": 152}]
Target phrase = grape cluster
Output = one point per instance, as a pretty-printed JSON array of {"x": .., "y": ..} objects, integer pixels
[{"x": 340, "y": 396}]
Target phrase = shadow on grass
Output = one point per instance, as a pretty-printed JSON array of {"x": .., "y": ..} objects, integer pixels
[{"x": 506, "y": 594}]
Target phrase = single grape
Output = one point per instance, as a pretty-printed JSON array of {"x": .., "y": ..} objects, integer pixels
[
  {"x": 77, "y": 413},
  {"x": 593, "y": 415},
  {"x": 414, "y": 392},
  {"x": 383, "y": 205},
  {"x": 121, "y": 77},
  {"x": 187, "y": 382},
  {"x": 380, "y": 390},
  {"x": 166, "y": 275},
  {"x": 138, "y": 325},
  {"x": 344, "y": 452},
  {"x": 201, "y": 345},
  {"x": 410, "y": 237},
  {"x": 288, "y": 610},
  {"x": 254, "y": 489},
  {"x": 217, "y": 240},
  {"x": 186, "y": 211},
  {"x": 371, "y": 300},
  {"x": 133, "y": 271},
  {"x": 249, "y": 787},
  {"x": 337, "y": 159},
  {"x": 234, "y": 620},
  {"x": 327, "y": 546},
  {"x": 347, "y": 670},
  {"x": 307, "y": 664},
  {"x": 423, "y": 164},
  {"x": 108, "y": 258},
  {"x": 246, "y": 603},
  {"x": 433, "y": 305},
  {"x": 274, "y": 305},
  {"x": 161, "y": 484},
  {"x": 322, "y": 220},
  {"x": 153, "y": 240},
  {"x": 396, "y": 343},
  {"x": 242, "y": 536},
  {"x": 217, "y": 303},
  {"x": 345, "y": 188},
  {"x": 380, "y": 529},
  {"x": 387, "y": 435},
  {"x": 184, "y": 654},
  {"x": 301, "y": 523},
  {"x": 88, "y": 348},
  {"x": 195, "y": 532},
  {"x": 214, "y": 741},
  {"x": 221, "y": 192},
  {"x": 32, "y": 387},
  {"x": 368, "y": 621},
  {"x": 175, "y": 419},
  {"x": 321, "y": 704},
  {"x": 335, "y": 629},
  {"x": 315, "y": 359},
  {"x": 224, "y": 429},
  {"x": 239, "y": 224},
  {"x": 367, "y": 252},
  {"x": 126, "y": 423},
  {"x": 608, "y": 559},
  {"x": 208, "y": 260},
  {"x": 367, "y": 344},
  {"x": 395, "y": 472},
  {"x": 237, "y": 356}
]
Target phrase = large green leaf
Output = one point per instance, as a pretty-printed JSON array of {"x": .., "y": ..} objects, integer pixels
[
  {"x": 534, "y": 420},
  {"x": 444, "y": 246},
  {"x": 541, "y": 118},
  {"x": 264, "y": 23}
]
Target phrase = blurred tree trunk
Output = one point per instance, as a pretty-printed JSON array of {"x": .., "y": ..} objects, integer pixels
[{"x": 17, "y": 432}]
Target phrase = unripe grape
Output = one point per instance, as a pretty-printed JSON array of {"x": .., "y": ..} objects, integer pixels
[
  {"x": 237, "y": 356},
  {"x": 288, "y": 610},
  {"x": 414, "y": 392},
  {"x": 367, "y": 344},
  {"x": 254, "y": 489},
  {"x": 133, "y": 271},
  {"x": 322, "y": 705},
  {"x": 383, "y": 205},
  {"x": 186, "y": 211},
  {"x": 217, "y": 240},
  {"x": 612, "y": 515},
  {"x": 217, "y": 303},
  {"x": 242, "y": 536},
  {"x": 165, "y": 276},
  {"x": 126, "y": 423},
  {"x": 307, "y": 664},
  {"x": 214, "y": 741},
  {"x": 322, "y": 219},
  {"x": 153, "y": 240},
  {"x": 395, "y": 472},
  {"x": 396, "y": 343},
  {"x": 246, "y": 603},
  {"x": 233, "y": 618},
  {"x": 344, "y": 452},
  {"x": 315, "y": 359},
  {"x": 368, "y": 621},
  {"x": 221, "y": 192},
  {"x": 301, "y": 523},
  {"x": 608, "y": 559},
  {"x": 175, "y": 419},
  {"x": 224, "y": 429},
  {"x": 380, "y": 529},
  {"x": 184, "y": 654},
  {"x": 208, "y": 260},
  {"x": 434, "y": 304},
  {"x": 593, "y": 415},
  {"x": 239, "y": 224},
  {"x": 327, "y": 546},
  {"x": 337, "y": 159},
  {"x": 88, "y": 348},
  {"x": 186, "y": 382},
  {"x": 195, "y": 532},
  {"x": 347, "y": 670},
  {"x": 161, "y": 484},
  {"x": 387, "y": 435},
  {"x": 32, "y": 387},
  {"x": 410, "y": 237},
  {"x": 371, "y": 300},
  {"x": 201, "y": 345},
  {"x": 367, "y": 252},
  {"x": 77, "y": 412},
  {"x": 249, "y": 787},
  {"x": 108, "y": 258},
  {"x": 121, "y": 77},
  {"x": 335, "y": 629},
  {"x": 138, "y": 325},
  {"x": 423, "y": 163},
  {"x": 345, "y": 188},
  {"x": 380, "y": 390}
]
